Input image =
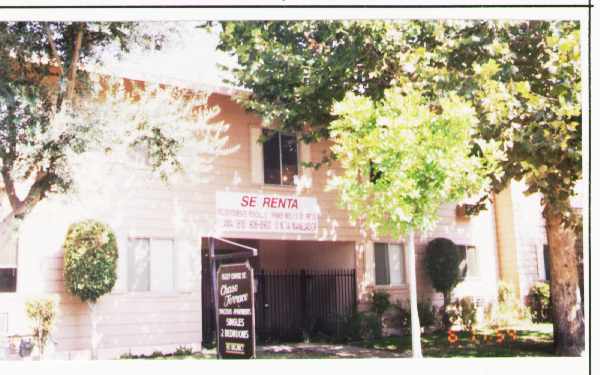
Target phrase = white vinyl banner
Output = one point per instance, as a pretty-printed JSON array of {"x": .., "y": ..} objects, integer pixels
[{"x": 266, "y": 213}]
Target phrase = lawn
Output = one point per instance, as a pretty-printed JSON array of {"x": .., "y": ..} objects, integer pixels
[
  {"x": 531, "y": 340},
  {"x": 523, "y": 341}
]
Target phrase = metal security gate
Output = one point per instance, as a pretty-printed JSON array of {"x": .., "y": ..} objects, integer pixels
[{"x": 290, "y": 304}]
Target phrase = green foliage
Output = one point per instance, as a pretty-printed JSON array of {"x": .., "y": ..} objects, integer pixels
[
  {"x": 442, "y": 261},
  {"x": 380, "y": 303},
  {"x": 359, "y": 326},
  {"x": 91, "y": 254},
  {"x": 468, "y": 313},
  {"x": 420, "y": 149},
  {"x": 426, "y": 313},
  {"x": 401, "y": 315},
  {"x": 540, "y": 303},
  {"x": 523, "y": 78},
  {"x": 508, "y": 311},
  {"x": 42, "y": 313},
  {"x": 183, "y": 350}
]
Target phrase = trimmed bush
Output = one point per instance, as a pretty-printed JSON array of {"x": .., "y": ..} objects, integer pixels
[
  {"x": 540, "y": 303},
  {"x": 91, "y": 256},
  {"x": 442, "y": 261}
]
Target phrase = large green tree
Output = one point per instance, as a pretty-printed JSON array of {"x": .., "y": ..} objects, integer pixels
[
  {"x": 522, "y": 77},
  {"x": 51, "y": 108}
]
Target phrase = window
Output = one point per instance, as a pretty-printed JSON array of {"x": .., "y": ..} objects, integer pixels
[
  {"x": 389, "y": 264},
  {"x": 280, "y": 158},
  {"x": 8, "y": 267},
  {"x": 469, "y": 265},
  {"x": 547, "y": 261},
  {"x": 151, "y": 263}
]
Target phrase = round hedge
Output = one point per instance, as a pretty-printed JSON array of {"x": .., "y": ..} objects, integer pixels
[
  {"x": 91, "y": 255},
  {"x": 442, "y": 261}
]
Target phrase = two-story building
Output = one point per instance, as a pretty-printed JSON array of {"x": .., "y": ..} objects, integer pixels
[{"x": 260, "y": 195}]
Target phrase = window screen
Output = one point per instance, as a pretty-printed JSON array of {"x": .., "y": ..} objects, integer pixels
[
  {"x": 271, "y": 159},
  {"x": 382, "y": 271},
  {"x": 389, "y": 264}
]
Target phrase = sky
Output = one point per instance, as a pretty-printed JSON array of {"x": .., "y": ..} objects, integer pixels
[{"x": 189, "y": 58}]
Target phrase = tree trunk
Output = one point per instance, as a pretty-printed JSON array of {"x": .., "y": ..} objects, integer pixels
[
  {"x": 415, "y": 325},
  {"x": 567, "y": 314},
  {"x": 94, "y": 330}
]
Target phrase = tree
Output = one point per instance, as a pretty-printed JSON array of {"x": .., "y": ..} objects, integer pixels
[
  {"x": 522, "y": 78},
  {"x": 90, "y": 269},
  {"x": 442, "y": 262},
  {"x": 52, "y": 110},
  {"x": 419, "y": 152}
]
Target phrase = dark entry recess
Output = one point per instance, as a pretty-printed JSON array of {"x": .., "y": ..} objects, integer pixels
[{"x": 291, "y": 304}]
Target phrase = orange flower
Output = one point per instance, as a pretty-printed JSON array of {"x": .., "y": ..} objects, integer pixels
[{"x": 452, "y": 337}]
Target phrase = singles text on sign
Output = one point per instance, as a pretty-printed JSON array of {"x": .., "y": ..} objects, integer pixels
[{"x": 249, "y": 212}]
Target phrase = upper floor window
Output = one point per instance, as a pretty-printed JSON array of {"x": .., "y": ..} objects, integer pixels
[
  {"x": 389, "y": 264},
  {"x": 469, "y": 265},
  {"x": 280, "y": 158},
  {"x": 8, "y": 267}
]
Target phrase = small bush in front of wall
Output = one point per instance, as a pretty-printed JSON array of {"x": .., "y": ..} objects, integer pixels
[
  {"x": 508, "y": 311},
  {"x": 468, "y": 313},
  {"x": 426, "y": 313},
  {"x": 359, "y": 326},
  {"x": 401, "y": 316},
  {"x": 380, "y": 303},
  {"x": 91, "y": 255},
  {"x": 183, "y": 351},
  {"x": 42, "y": 313},
  {"x": 540, "y": 304}
]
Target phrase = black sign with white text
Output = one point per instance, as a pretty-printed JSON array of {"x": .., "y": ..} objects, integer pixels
[{"x": 235, "y": 312}]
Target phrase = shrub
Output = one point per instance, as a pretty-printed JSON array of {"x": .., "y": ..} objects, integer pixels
[
  {"x": 183, "y": 350},
  {"x": 359, "y": 326},
  {"x": 540, "y": 303},
  {"x": 426, "y": 313},
  {"x": 380, "y": 302},
  {"x": 442, "y": 262},
  {"x": 91, "y": 256},
  {"x": 42, "y": 312},
  {"x": 508, "y": 310},
  {"x": 468, "y": 313},
  {"x": 400, "y": 317}
]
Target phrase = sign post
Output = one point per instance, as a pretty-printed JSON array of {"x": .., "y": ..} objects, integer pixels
[{"x": 235, "y": 311}]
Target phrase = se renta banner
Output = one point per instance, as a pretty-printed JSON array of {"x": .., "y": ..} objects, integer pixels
[
  {"x": 266, "y": 213},
  {"x": 235, "y": 311}
]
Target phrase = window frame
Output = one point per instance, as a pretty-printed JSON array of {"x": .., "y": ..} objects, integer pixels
[
  {"x": 265, "y": 132},
  {"x": 465, "y": 248},
  {"x": 174, "y": 288},
  {"x": 404, "y": 275}
]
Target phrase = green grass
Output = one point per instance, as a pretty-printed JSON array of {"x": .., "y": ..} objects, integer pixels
[{"x": 531, "y": 340}]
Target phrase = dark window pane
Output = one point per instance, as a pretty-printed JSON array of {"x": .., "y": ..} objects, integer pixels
[
  {"x": 462, "y": 266},
  {"x": 547, "y": 261},
  {"x": 8, "y": 280},
  {"x": 382, "y": 268},
  {"x": 289, "y": 159},
  {"x": 271, "y": 160}
]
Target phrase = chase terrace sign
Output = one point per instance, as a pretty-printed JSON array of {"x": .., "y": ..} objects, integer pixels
[{"x": 266, "y": 213}]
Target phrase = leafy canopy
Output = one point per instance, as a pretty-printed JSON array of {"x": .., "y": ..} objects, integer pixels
[
  {"x": 404, "y": 156},
  {"x": 522, "y": 78}
]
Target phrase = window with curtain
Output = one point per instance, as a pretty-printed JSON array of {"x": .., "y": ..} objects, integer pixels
[
  {"x": 389, "y": 264},
  {"x": 151, "y": 265},
  {"x": 469, "y": 265}
]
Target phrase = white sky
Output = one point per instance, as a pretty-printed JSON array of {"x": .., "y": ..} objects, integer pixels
[{"x": 190, "y": 59}]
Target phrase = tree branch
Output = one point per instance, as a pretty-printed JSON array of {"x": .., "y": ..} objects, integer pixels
[
  {"x": 9, "y": 186},
  {"x": 53, "y": 50},
  {"x": 74, "y": 62},
  {"x": 36, "y": 192}
]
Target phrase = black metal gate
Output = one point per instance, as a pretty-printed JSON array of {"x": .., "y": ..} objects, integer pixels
[{"x": 290, "y": 304}]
